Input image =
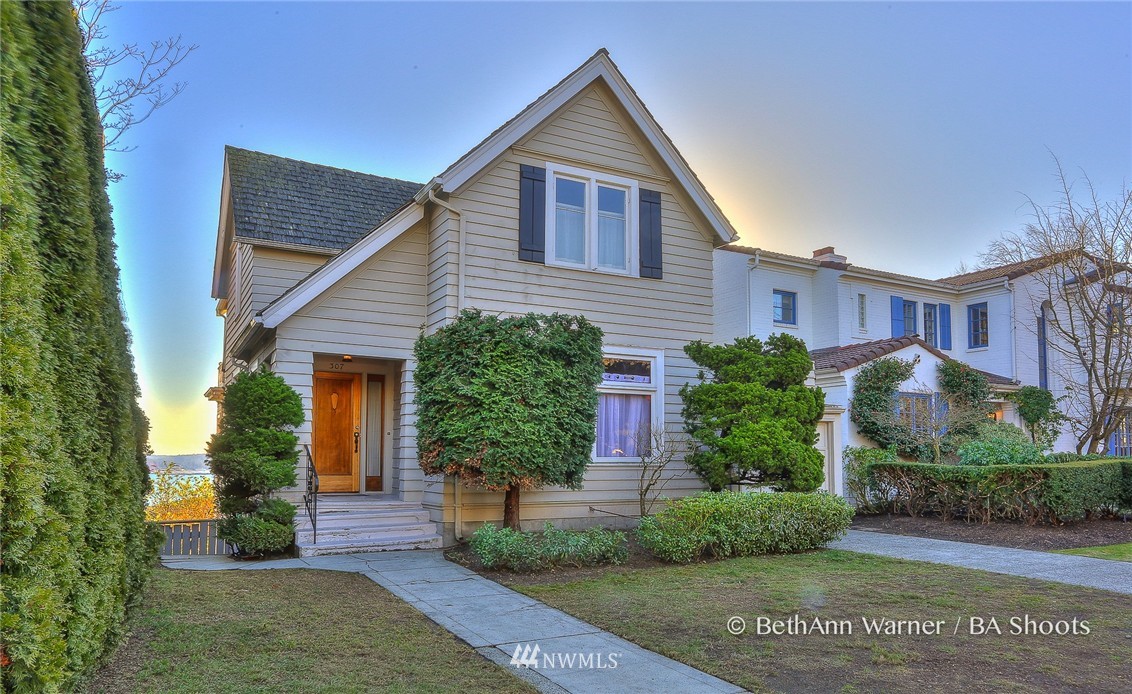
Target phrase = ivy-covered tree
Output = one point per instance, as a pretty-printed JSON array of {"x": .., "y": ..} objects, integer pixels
[
  {"x": 508, "y": 403},
  {"x": 252, "y": 455},
  {"x": 753, "y": 415}
]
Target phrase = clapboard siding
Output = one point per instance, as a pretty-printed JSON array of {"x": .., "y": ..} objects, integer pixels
[{"x": 633, "y": 312}]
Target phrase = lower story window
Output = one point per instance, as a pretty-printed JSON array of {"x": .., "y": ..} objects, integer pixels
[
  {"x": 916, "y": 410},
  {"x": 1120, "y": 444},
  {"x": 628, "y": 404}
]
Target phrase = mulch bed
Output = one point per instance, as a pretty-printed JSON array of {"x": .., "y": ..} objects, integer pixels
[{"x": 1092, "y": 533}]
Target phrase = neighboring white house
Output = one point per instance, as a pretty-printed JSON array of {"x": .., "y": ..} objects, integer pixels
[{"x": 992, "y": 319}]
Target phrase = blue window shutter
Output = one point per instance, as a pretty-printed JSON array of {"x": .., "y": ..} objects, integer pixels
[
  {"x": 532, "y": 214},
  {"x": 945, "y": 326},
  {"x": 897, "y": 316},
  {"x": 652, "y": 262}
]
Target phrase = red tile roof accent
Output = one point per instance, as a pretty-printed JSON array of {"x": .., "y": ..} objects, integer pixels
[{"x": 849, "y": 356}]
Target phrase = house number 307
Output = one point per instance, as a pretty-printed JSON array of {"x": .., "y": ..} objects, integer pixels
[{"x": 336, "y": 366}]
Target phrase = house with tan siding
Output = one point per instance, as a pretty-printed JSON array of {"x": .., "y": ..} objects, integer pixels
[{"x": 579, "y": 204}]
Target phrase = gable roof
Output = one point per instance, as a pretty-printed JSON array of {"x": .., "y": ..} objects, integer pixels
[
  {"x": 297, "y": 203},
  {"x": 815, "y": 264},
  {"x": 847, "y": 357},
  {"x": 599, "y": 66}
]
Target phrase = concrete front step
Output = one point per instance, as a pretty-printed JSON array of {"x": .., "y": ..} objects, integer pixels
[
  {"x": 361, "y": 523},
  {"x": 374, "y": 531},
  {"x": 380, "y": 544}
]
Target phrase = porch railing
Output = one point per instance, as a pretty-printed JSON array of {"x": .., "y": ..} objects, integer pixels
[{"x": 310, "y": 498}]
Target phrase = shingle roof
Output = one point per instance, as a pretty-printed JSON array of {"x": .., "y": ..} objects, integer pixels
[
  {"x": 1008, "y": 271},
  {"x": 848, "y": 356},
  {"x": 282, "y": 200}
]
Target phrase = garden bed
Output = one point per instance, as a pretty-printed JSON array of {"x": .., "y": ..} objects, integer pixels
[{"x": 1003, "y": 533}]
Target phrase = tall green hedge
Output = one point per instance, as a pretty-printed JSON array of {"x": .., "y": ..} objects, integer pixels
[{"x": 76, "y": 550}]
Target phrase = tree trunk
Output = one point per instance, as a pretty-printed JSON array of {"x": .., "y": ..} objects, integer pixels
[{"x": 511, "y": 508}]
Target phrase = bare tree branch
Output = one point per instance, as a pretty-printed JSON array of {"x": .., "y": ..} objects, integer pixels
[
  {"x": 1082, "y": 288},
  {"x": 126, "y": 101}
]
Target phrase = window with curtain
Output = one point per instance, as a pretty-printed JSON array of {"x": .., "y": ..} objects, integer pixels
[
  {"x": 626, "y": 399},
  {"x": 592, "y": 224}
]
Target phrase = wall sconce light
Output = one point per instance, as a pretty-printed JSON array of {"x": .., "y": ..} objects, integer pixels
[{"x": 347, "y": 357}]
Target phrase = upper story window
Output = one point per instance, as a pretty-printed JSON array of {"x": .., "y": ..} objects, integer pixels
[
  {"x": 978, "y": 328},
  {"x": 910, "y": 318},
  {"x": 630, "y": 406},
  {"x": 785, "y": 307},
  {"x": 862, "y": 313},
  {"x": 931, "y": 325},
  {"x": 590, "y": 220}
]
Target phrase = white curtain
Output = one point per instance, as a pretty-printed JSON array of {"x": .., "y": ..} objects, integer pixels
[
  {"x": 570, "y": 235},
  {"x": 611, "y": 241},
  {"x": 620, "y": 418}
]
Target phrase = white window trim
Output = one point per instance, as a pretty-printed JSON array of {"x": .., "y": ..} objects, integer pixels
[
  {"x": 592, "y": 179},
  {"x": 656, "y": 389}
]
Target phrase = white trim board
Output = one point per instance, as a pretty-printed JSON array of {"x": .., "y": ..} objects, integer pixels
[{"x": 341, "y": 265}]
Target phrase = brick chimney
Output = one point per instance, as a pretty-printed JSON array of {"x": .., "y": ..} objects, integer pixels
[{"x": 828, "y": 258}]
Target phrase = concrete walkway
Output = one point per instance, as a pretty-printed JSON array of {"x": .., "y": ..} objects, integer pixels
[
  {"x": 1062, "y": 568},
  {"x": 501, "y": 623}
]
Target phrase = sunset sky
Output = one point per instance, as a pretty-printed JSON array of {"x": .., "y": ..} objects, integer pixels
[{"x": 906, "y": 134}]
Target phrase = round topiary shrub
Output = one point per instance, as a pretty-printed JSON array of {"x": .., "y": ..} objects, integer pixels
[
  {"x": 252, "y": 456},
  {"x": 734, "y": 524},
  {"x": 999, "y": 443}
]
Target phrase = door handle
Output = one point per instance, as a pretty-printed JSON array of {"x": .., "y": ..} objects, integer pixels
[{"x": 357, "y": 436}]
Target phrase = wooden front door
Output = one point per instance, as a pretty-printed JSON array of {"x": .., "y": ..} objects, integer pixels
[{"x": 337, "y": 430}]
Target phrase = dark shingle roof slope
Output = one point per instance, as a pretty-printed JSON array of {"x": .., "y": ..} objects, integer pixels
[
  {"x": 848, "y": 356},
  {"x": 287, "y": 201}
]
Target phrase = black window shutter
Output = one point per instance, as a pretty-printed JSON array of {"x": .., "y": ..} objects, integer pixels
[
  {"x": 652, "y": 263},
  {"x": 532, "y": 214}
]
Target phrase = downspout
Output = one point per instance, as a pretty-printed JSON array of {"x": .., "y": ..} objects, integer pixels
[
  {"x": 751, "y": 267},
  {"x": 1013, "y": 332},
  {"x": 463, "y": 228},
  {"x": 457, "y": 501}
]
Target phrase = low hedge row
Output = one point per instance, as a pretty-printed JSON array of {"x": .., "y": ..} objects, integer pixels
[
  {"x": 733, "y": 524},
  {"x": 503, "y": 548},
  {"x": 1043, "y": 493}
]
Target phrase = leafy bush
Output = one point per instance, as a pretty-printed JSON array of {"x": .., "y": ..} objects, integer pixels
[
  {"x": 1000, "y": 443},
  {"x": 508, "y": 403},
  {"x": 519, "y": 551},
  {"x": 868, "y": 496},
  {"x": 252, "y": 455},
  {"x": 874, "y": 397},
  {"x": 1038, "y": 409},
  {"x": 753, "y": 415},
  {"x": 1051, "y": 493},
  {"x": 733, "y": 524}
]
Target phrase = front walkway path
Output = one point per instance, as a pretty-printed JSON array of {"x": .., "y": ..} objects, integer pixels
[
  {"x": 1062, "y": 568},
  {"x": 496, "y": 621}
]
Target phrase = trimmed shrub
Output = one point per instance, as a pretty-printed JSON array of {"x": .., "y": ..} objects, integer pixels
[
  {"x": 1000, "y": 443},
  {"x": 1044, "y": 493},
  {"x": 734, "y": 524},
  {"x": 504, "y": 548},
  {"x": 508, "y": 403},
  {"x": 753, "y": 415},
  {"x": 253, "y": 455},
  {"x": 76, "y": 551},
  {"x": 1071, "y": 457}
]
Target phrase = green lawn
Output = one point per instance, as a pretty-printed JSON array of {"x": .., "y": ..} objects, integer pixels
[
  {"x": 289, "y": 631},
  {"x": 1122, "y": 552},
  {"x": 682, "y": 612}
]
